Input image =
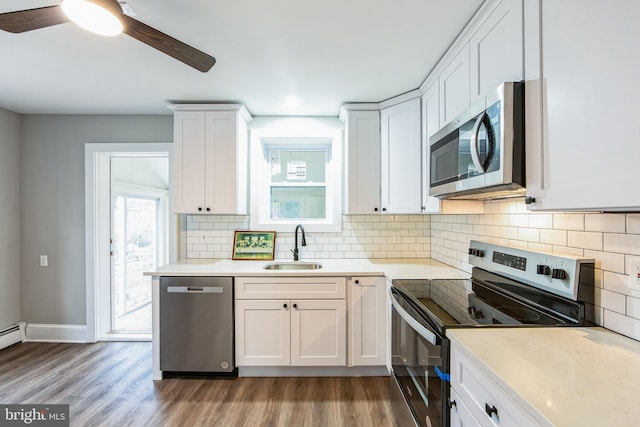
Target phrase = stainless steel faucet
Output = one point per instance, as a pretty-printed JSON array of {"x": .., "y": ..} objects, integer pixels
[{"x": 295, "y": 250}]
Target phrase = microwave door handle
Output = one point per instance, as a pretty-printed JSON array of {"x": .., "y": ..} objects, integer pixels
[
  {"x": 475, "y": 150},
  {"x": 421, "y": 330}
]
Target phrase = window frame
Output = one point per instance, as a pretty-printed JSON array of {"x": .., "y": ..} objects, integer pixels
[{"x": 262, "y": 141}]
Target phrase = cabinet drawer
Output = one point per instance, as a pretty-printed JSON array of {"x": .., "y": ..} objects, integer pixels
[
  {"x": 482, "y": 395},
  {"x": 290, "y": 287},
  {"x": 461, "y": 416}
]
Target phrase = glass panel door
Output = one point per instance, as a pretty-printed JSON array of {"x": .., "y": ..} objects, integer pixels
[{"x": 135, "y": 250}]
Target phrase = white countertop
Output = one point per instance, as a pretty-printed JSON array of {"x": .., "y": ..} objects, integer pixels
[
  {"x": 570, "y": 376},
  {"x": 391, "y": 268}
]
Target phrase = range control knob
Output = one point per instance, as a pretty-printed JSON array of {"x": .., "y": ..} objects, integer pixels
[
  {"x": 558, "y": 273},
  {"x": 477, "y": 314},
  {"x": 476, "y": 252},
  {"x": 543, "y": 269}
]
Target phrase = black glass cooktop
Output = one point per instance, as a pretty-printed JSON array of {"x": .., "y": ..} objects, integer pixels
[{"x": 489, "y": 299}]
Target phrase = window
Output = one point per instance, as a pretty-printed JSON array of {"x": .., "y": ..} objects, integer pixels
[{"x": 295, "y": 180}]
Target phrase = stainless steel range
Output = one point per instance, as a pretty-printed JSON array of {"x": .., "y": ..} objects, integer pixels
[{"x": 509, "y": 287}]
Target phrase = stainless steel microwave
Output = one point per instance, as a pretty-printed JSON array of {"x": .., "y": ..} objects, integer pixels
[{"x": 481, "y": 153}]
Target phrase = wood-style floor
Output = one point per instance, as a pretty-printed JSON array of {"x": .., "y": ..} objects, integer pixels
[{"x": 109, "y": 384}]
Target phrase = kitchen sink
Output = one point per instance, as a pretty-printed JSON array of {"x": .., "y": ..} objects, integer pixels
[{"x": 295, "y": 265}]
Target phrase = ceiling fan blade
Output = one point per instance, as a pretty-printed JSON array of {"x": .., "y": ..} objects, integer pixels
[
  {"x": 32, "y": 19},
  {"x": 167, "y": 44}
]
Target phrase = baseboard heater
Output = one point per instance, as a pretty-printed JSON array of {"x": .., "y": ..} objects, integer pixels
[{"x": 10, "y": 336}]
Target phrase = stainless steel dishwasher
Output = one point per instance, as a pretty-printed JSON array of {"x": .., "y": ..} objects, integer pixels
[{"x": 197, "y": 325}]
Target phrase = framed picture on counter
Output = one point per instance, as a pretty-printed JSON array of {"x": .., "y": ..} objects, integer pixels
[{"x": 254, "y": 245}]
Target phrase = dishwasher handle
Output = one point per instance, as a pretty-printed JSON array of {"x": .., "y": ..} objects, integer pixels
[{"x": 195, "y": 289}]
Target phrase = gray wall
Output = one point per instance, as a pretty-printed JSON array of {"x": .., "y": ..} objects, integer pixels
[
  {"x": 52, "y": 205},
  {"x": 9, "y": 218}
]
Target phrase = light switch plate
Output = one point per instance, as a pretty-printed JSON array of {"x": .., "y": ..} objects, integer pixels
[{"x": 44, "y": 261}]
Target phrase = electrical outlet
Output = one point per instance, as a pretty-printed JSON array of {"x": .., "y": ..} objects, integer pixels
[
  {"x": 634, "y": 273},
  {"x": 44, "y": 261},
  {"x": 203, "y": 236},
  {"x": 396, "y": 237}
]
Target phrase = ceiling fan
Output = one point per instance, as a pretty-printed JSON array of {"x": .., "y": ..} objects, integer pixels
[{"x": 103, "y": 12}]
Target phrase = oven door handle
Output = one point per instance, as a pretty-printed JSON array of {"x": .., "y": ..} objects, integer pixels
[{"x": 420, "y": 329}]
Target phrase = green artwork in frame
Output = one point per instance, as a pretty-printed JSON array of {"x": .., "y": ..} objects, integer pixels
[{"x": 254, "y": 245}]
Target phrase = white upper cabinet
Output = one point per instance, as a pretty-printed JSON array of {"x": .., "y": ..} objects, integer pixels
[
  {"x": 430, "y": 125},
  {"x": 400, "y": 158},
  {"x": 581, "y": 99},
  {"x": 454, "y": 86},
  {"x": 362, "y": 158},
  {"x": 488, "y": 52},
  {"x": 431, "y": 109},
  {"x": 189, "y": 169},
  {"x": 496, "y": 49},
  {"x": 210, "y": 159}
]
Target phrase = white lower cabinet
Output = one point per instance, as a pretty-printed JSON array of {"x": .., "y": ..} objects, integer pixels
[
  {"x": 263, "y": 335},
  {"x": 461, "y": 415},
  {"x": 290, "y": 321},
  {"x": 479, "y": 399},
  {"x": 318, "y": 333},
  {"x": 367, "y": 321}
]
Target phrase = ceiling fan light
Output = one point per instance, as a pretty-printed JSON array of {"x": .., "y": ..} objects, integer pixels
[{"x": 92, "y": 16}]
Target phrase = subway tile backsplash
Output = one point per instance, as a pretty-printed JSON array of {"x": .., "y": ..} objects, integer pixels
[
  {"x": 612, "y": 239},
  {"x": 362, "y": 236}
]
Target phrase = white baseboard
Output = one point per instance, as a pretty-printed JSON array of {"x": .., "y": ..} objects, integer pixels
[{"x": 56, "y": 333}]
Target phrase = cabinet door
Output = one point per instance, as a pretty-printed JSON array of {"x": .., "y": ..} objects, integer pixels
[
  {"x": 363, "y": 162},
  {"x": 221, "y": 155},
  {"x": 367, "y": 321},
  {"x": 496, "y": 49},
  {"x": 401, "y": 164},
  {"x": 430, "y": 125},
  {"x": 454, "y": 87},
  {"x": 582, "y": 104},
  {"x": 263, "y": 332},
  {"x": 189, "y": 173},
  {"x": 318, "y": 333},
  {"x": 460, "y": 414}
]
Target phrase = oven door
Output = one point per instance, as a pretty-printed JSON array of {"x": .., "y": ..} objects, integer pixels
[{"x": 419, "y": 356}]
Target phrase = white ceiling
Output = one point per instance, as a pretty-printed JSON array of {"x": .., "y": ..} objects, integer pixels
[{"x": 326, "y": 52}]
